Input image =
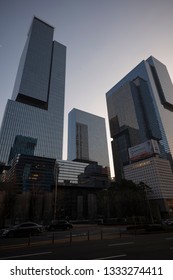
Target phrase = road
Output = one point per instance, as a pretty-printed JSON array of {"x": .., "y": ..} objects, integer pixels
[{"x": 158, "y": 246}]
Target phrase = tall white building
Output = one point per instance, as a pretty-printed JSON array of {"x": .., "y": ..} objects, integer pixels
[
  {"x": 87, "y": 140},
  {"x": 156, "y": 173},
  {"x": 36, "y": 109}
]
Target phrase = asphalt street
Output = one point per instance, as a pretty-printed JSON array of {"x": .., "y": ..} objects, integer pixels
[{"x": 153, "y": 246}]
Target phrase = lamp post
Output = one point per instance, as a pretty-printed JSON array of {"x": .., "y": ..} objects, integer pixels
[
  {"x": 56, "y": 189},
  {"x": 56, "y": 171},
  {"x": 149, "y": 207},
  {"x": 146, "y": 188}
]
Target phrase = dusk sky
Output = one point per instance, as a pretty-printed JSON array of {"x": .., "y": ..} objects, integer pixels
[{"x": 105, "y": 39}]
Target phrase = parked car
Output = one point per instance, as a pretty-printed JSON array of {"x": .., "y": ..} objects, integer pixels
[
  {"x": 59, "y": 224},
  {"x": 22, "y": 230},
  {"x": 154, "y": 227},
  {"x": 168, "y": 222}
]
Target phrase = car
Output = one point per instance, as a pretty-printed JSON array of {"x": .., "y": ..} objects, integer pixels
[
  {"x": 22, "y": 230},
  {"x": 59, "y": 225},
  {"x": 154, "y": 227},
  {"x": 168, "y": 222}
]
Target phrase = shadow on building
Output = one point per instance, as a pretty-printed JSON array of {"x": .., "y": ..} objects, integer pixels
[{"x": 38, "y": 186}]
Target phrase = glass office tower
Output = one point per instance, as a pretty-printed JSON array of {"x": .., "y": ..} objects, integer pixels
[
  {"x": 87, "y": 140},
  {"x": 37, "y": 106},
  {"x": 140, "y": 107}
]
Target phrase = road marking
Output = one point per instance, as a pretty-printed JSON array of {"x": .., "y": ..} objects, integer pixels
[
  {"x": 28, "y": 255},
  {"x": 74, "y": 235},
  {"x": 117, "y": 244},
  {"x": 171, "y": 248},
  {"x": 13, "y": 246},
  {"x": 169, "y": 238},
  {"x": 111, "y": 257}
]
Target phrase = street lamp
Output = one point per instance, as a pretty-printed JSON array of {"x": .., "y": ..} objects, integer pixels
[
  {"x": 145, "y": 188},
  {"x": 56, "y": 171}
]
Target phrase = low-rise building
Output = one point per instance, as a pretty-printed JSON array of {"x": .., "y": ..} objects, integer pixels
[{"x": 156, "y": 173}]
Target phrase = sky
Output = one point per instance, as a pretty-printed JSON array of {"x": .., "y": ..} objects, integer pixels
[{"x": 105, "y": 39}]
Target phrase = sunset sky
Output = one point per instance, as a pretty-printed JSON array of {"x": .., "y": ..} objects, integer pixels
[{"x": 105, "y": 39}]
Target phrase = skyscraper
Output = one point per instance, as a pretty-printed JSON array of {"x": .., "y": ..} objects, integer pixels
[
  {"x": 140, "y": 108},
  {"x": 87, "y": 139},
  {"x": 37, "y": 106}
]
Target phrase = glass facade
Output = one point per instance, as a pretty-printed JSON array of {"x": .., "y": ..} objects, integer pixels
[
  {"x": 35, "y": 63},
  {"x": 87, "y": 138},
  {"x": 23, "y": 145},
  {"x": 31, "y": 173},
  {"x": 82, "y": 151},
  {"x": 142, "y": 104},
  {"x": 37, "y": 106},
  {"x": 69, "y": 171},
  {"x": 81, "y": 174}
]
